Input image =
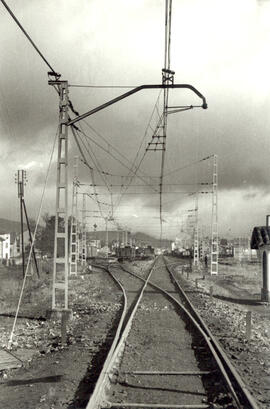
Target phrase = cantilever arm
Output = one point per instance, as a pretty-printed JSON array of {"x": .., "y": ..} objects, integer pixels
[{"x": 133, "y": 91}]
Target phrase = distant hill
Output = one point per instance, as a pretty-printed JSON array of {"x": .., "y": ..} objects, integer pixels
[
  {"x": 9, "y": 226},
  {"x": 153, "y": 241},
  {"x": 141, "y": 238}
]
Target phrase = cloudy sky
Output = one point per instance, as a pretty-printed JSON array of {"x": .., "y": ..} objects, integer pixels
[{"x": 220, "y": 47}]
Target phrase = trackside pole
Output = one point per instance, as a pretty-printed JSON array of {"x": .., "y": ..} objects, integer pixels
[
  {"x": 61, "y": 259},
  {"x": 214, "y": 225},
  {"x": 84, "y": 230},
  {"x": 74, "y": 222},
  {"x": 196, "y": 256},
  {"x": 21, "y": 181}
]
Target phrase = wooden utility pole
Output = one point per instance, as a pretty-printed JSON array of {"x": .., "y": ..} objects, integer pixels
[{"x": 21, "y": 181}]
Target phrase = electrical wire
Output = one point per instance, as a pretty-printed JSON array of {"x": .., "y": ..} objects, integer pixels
[
  {"x": 33, "y": 241},
  {"x": 96, "y": 162},
  {"x": 98, "y": 166},
  {"x": 28, "y": 37},
  {"x": 110, "y": 146},
  {"x": 154, "y": 193},
  {"x": 92, "y": 177},
  {"x": 188, "y": 165},
  {"x": 101, "y": 86},
  {"x": 167, "y": 184},
  {"x": 115, "y": 158},
  {"x": 140, "y": 146}
]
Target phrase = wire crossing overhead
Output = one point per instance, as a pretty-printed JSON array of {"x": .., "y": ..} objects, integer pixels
[{"x": 53, "y": 72}]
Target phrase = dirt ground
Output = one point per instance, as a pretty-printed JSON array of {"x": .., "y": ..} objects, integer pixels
[{"x": 53, "y": 376}]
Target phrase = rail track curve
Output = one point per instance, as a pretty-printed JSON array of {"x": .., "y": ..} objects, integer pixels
[{"x": 231, "y": 390}]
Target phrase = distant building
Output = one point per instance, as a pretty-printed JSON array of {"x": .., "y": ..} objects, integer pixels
[
  {"x": 10, "y": 247},
  {"x": 95, "y": 243}
]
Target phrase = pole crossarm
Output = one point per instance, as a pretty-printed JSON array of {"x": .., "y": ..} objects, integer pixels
[{"x": 133, "y": 91}]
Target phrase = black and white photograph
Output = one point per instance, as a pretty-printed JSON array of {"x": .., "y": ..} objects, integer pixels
[{"x": 135, "y": 204}]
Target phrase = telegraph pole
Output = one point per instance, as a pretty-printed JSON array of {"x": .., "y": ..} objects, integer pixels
[
  {"x": 21, "y": 182},
  {"x": 20, "y": 179}
]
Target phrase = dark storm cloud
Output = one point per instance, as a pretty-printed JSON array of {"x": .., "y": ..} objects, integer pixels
[{"x": 119, "y": 42}]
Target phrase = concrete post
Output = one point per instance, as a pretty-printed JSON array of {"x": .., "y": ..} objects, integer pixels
[{"x": 265, "y": 291}]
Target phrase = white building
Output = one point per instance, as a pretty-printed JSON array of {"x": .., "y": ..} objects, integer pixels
[{"x": 10, "y": 244}]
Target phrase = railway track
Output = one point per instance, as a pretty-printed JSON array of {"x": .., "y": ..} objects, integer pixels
[{"x": 163, "y": 355}]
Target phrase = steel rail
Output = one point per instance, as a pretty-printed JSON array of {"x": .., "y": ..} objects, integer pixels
[
  {"x": 212, "y": 343},
  {"x": 103, "y": 380},
  {"x": 98, "y": 397},
  {"x": 119, "y": 351},
  {"x": 109, "y": 372},
  {"x": 222, "y": 355}
]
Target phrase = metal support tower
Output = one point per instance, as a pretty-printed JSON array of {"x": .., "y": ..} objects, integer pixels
[
  {"x": 60, "y": 260},
  {"x": 74, "y": 222},
  {"x": 117, "y": 239},
  {"x": 214, "y": 225},
  {"x": 158, "y": 142},
  {"x": 202, "y": 244},
  {"x": 196, "y": 256},
  {"x": 84, "y": 231}
]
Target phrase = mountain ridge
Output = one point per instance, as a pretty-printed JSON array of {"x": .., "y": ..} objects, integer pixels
[{"x": 10, "y": 226}]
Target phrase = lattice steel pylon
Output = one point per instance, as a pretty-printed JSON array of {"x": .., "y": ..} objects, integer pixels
[
  {"x": 61, "y": 259},
  {"x": 214, "y": 224},
  {"x": 202, "y": 244},
  {"x": 159, "y": 136},
  {"x": 83, "y": 248},
  {"x": 117, "y": 238},
  {"x": 196, "y": 255},
  {"x": 73, "y": 270}
]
